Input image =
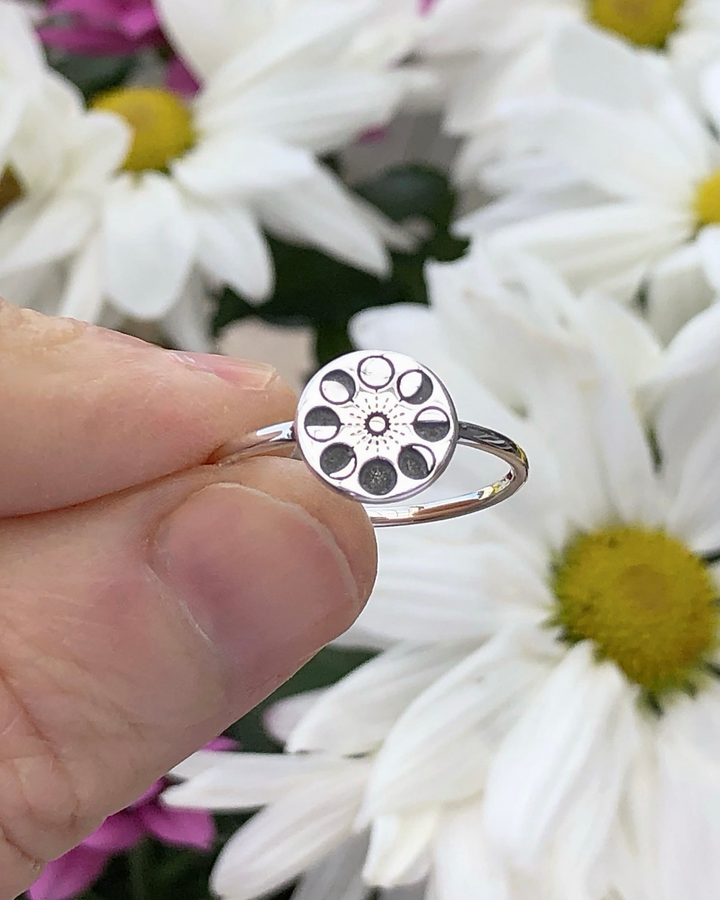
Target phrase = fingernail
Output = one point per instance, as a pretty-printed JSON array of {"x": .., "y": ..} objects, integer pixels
[
  {"x": 263, "y": 580},
  {"x": 244, "y": 372}
]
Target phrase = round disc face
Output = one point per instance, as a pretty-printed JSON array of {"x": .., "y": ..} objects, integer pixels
[{"x": 376, "y": 425}]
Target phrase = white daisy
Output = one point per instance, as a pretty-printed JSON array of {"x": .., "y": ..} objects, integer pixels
[
  {"x": 637, "y": 202},
  {"x": 56, "y": 161},
  {"x": 201, "y": 180},
  {"x": 545, "y": 722},
  {"x": 282, "y": 83},
  {"x": 21, "y": 72},
  {"x": 497, "y": 52}
]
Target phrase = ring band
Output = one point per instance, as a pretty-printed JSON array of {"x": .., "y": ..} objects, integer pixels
[{"x": 378, "y": 427}]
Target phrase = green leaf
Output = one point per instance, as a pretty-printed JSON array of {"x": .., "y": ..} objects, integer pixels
[
  {"x": 95, "y": 74},
  {"x": 405, "y": 192}
]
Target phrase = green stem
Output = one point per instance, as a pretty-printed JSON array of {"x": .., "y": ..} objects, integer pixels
[{"x": 138, "y": 859}]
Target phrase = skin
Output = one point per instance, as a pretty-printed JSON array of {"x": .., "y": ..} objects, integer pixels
[{"x": 151, "y": 590}]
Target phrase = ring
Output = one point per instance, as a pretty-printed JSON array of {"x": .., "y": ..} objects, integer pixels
[{"x": 379, "y": 427}]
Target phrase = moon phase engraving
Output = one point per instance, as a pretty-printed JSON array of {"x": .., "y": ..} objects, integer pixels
[
  {"x": 376, "y": 372},
  {"x": 415, "y": 387},
  {"x": 338, "y": 461},
  {"x": 432, "y": 424},
  {"x": 322, "y": 423},
  {"x": 378, "y": 477},
  {"x": 416, "y": 461},
  {"x": 338, "y": 386},
  {"x": 377, "y": 426}
]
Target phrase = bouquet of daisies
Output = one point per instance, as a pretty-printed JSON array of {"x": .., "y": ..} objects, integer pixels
[{"x": 525, "y": 195}]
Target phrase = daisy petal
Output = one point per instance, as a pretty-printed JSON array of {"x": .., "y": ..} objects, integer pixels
[
  {"x": 225, "y": 780},
  {"x": 338, "y": 876},
  {"x": 319, "y": 211},
  {"x": 708, "y": 243},
  {"x": 309, "y": 31},
  {"x": 189, "y": 321},
  {"x": 466, "y": 867},
  {"x": 585, "y": 836},
  {"x": 149, "y": 245},
  {"x": 695, "y": 511},
  {"x": 696, "y": 722},
  {"x": 101, "y": 144},
  {"x": 492, "y": 585},
  {"x": 11, "y": 108},
  {"x": 610, "y": 245},
  {"x": 622, "y": 336},
  {"x": 319, "y": 109},
  {"x": 83, "y": 295},
  {"x": 34, "y": 231},
  {"x": 399, "y": 851},
  {"x": 631, "y": 159},
  {"x": 20, "y": 50},
  {"x": 354, "y": 716},
  {"x": 601, "y": 68},
  {"x": 202, "y": 34},
  {"x": 548, "y": 755},
  {"x": 622, "y": 448},
  {"x": 677, "y": 291},
  {"x": 40, "y": 148},
  {"x": 688, "y": 825},
  {"x": 439, "y": 749},
  {"x": 283, "y": 717},
  {"x": 710, "y": 92},
  {"x": 235, "y": 165},
  {"x": 288, "y": 837},
  {"x": 683, "y": 394},
  {"x": 232, "y": 249}
]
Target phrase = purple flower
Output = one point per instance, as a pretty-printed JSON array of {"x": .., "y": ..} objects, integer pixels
[
  {"x": 80, "y": 867},
  {"x": 103, "y": 26}
]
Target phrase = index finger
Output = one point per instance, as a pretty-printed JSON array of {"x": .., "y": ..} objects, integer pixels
[{"x": 86, "y": 412}]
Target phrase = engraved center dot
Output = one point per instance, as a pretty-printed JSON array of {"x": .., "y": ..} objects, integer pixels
[{"x": 377, "y": 424}]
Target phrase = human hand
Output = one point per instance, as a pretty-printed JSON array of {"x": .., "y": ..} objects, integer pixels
[{"x": 147, "y": 598}]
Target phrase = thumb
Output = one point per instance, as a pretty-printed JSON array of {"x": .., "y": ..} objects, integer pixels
[{"x": 136, "y": 625}]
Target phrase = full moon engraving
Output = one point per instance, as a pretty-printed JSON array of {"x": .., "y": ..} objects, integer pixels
[
  {"x": 376, "y": 372},
  {"x": 378, "y": 477}
]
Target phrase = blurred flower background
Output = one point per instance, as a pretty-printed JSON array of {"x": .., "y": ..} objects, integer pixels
[{"x": 524, "y": 195}]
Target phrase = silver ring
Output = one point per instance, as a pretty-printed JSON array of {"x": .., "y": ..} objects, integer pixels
[{"x": 379, "y": 427}]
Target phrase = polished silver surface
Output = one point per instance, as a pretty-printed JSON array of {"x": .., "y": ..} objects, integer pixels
[{"x": 381, "y": 428}]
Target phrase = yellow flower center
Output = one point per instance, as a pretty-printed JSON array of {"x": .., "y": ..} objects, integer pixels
[
  {"x": 645, "y": 601},
  {"x": 162, "y": 125},
  {"x": 707, "y": 200},
  {"x": 10, "y": 188},
  {"x": 645, "y": 22}
]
